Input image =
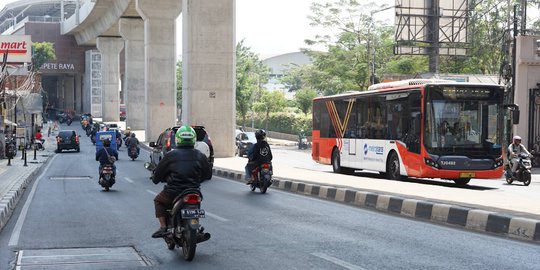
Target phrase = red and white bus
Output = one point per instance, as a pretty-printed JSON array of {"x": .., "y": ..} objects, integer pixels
[{"x": 414, "y": 128}]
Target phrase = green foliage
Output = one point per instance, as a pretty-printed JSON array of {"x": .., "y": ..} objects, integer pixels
[
  {"x": 41, "y": 53},
  {"x": 271, "y": 101},
  {"x": 250, "y": 74},
  {"x": 304, "y": 99},
  {"x": 179, "y": 84},
  {"x": 286, "y": 122}
]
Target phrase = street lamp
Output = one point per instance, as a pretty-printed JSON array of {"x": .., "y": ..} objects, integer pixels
[{"x": 371, "y": 28}]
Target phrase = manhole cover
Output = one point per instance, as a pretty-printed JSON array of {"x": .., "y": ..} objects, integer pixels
[
  {"x": 81, "y": 258},
  {"x": 67, "y": 177}
]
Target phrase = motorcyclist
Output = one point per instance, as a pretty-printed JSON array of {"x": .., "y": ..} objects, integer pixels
[
  {"x": 514, "y": 150},
  {"x": 127, "y": 134},
  {"x": 133, "y": 140},
  {"x": 103, "y": 156},
  {"x": 182, "y": 168},
  {"x": 258, "y": 154}
]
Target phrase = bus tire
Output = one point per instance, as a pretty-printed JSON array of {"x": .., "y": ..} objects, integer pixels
[
  {"x": 392, "y": 167},
  {"x": 336, "y": 164},
  {"x": 461, "y": 182}
]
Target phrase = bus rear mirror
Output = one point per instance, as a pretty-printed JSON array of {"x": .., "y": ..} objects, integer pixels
[{"x": 515, "y": 116}]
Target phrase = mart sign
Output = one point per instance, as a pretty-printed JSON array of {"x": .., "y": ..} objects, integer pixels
[{"x": 18, "y": 48}]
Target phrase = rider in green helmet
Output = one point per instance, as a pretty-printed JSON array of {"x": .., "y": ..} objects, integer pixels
[{"x": 182, "y": 168}]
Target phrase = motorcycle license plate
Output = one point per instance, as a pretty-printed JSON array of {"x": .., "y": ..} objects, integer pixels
[
  {"x": 467, "y": 175},
  {"x": 192, "y": 213}
]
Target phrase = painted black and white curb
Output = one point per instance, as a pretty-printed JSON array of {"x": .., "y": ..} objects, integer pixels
[{"x": 467, "y": 218}]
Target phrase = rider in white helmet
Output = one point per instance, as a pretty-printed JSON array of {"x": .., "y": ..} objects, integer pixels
[{"x": 514, "y": 150}]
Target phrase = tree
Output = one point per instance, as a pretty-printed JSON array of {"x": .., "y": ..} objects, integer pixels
[
  {"x": 42, "y": 52},
  {"x": 304, "y": 99},
  {"x": 346, "y": 64},
  {"x": 250, "y": 74},
  {"x": 179, "y": 84},
  {"x": 271, "y": 101}
]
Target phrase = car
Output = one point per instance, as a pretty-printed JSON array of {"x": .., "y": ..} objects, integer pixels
[
  {"x": 66, "y": 140},
  {"x": 122, "y": 112},
  {"x": 167, "y": 141},
  {"x": 244, "y": 141}
]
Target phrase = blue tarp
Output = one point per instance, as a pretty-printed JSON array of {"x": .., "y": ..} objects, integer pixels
[{"x": 103, "y": 135}]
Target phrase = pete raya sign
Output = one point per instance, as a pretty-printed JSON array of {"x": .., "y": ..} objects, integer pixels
[{"x": 18, "y": 48}]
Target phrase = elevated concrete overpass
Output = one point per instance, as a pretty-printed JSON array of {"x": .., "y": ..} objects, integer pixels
[{"x": 145, "y": 30}]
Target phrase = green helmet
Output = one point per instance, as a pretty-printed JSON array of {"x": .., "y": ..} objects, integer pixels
[{"x": 185, "y": 135}]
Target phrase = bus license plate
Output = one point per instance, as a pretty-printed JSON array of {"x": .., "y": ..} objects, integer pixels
[
  {"x": 192, "y": 213},
  {"x": 467, "y": 175}
]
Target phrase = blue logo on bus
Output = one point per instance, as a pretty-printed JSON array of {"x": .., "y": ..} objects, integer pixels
[{"x": 365, "y": 149}]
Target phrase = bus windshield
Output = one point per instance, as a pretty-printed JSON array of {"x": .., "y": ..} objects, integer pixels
[{"x": 462, "y": 121}]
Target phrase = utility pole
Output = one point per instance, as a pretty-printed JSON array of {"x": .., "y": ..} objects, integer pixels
[{"x": 433, "y": 35}]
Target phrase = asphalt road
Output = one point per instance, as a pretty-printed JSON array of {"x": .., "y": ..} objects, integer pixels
[{"x": 66, "y": 209}]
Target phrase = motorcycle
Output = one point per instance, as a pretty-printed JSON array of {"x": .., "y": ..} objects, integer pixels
[
  {"x": 133, "y": 152},
  {"x": 69, "y": 121},
  {"x": 302, "y": 142},
  {"x": 183, "y": 227},
  {"x": 106, "y": 177},
  {"x": 523, "y": 171},
  {"x": 93, "y": 138},
  {"x": 62, "y": 117},
  {"x": 263, "y": 177},
  {"x": 38, "y": 145}
]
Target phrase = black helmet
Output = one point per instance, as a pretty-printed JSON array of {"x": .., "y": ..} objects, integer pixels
[
  {"x": 107, "y": 143},
  {"x": 260, "y": 134},
  {"x": 132, "y": 135}
]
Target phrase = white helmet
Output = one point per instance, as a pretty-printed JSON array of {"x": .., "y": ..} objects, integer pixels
[{"x": 516, "y": 138}]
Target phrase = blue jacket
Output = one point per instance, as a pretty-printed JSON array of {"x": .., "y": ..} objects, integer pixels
[{"x": 102, "y": 157}]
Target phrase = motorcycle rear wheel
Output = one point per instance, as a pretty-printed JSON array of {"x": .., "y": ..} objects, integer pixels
[
  {"x": 263, "y": 186},
  {"x": 526, "y": 178},
  {"x": 189, "y": 245}
]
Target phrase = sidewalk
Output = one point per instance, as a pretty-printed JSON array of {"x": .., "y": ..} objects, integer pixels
[{"x": 15, "y": 178}]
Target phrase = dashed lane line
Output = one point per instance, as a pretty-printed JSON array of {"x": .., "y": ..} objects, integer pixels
[{"x": 337, "y": 261}]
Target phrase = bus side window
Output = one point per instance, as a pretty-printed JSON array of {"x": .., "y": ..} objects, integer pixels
[{"x": 413, "y": 133}]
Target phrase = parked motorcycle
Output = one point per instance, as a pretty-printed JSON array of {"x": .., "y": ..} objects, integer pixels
[
  {"x": 523, "y": 171},
  {"x": 184, "y": 229},
  {"x": 263, "y": 177},
  {"x": 133, "y": 152},
  {"x": 106, "y": 177}
]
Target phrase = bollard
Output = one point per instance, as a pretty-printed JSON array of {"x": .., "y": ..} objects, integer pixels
[
  {"x": 24, "y": 154},
  {"x": 22, "y": 157},
  {"x": 35, "y": 153}
]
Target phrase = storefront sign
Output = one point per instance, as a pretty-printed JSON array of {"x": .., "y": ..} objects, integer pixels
[
  {"x": 58, "y": 66},
  {"x": 18, "y": 48}
]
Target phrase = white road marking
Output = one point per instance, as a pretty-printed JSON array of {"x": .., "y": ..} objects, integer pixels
[
  {"x": 129, "y": 180},
  {"x": 216, "y": 216},
  {"x": 151, "y": 192},
  {"x": 14, "y": 239},
  {"x": 337, "y": 261}
]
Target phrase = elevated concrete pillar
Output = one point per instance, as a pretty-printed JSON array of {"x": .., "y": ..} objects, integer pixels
[
  {"x": 208, "y": 58},
  {"x": 160, "y": 63},
  {"x": 110, "y": 48},
  {"x": 69, "y": 88},
  {"x": 132, "y": 30},
  {"x": 78, "y": 94}
]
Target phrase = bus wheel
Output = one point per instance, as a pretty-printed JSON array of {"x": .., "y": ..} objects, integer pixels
[
  {"x": 392, "y": 167},
  {"x": 336, "y": 163},
  {"x": 461, "y": 182}
]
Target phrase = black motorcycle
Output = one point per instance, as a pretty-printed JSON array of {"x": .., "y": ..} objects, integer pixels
[
  {"x": 263, "y": 177},
  {"x": 132, "y": 151},
  {"x": 523, "y": 171},
  {"x": 62, "y": 117},
  {"x": 183, "y": 227},
  {"x": 302, "y": 142},
  {"x": 69, "y": 120},
  {"x": 106, "y": 177}
]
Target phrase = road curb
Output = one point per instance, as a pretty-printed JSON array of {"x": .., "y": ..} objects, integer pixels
[
  {"x": 477, "y": 220},
  {"x": 9, "y": 201}
]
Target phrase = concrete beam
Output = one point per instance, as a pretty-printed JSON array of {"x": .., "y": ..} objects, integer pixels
[
  {"x": 132, "y": 30},
  {"x": 209, "y": 77},
  {"x": 160, "y": 63},
  {"x": 110, "y": 71}
]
